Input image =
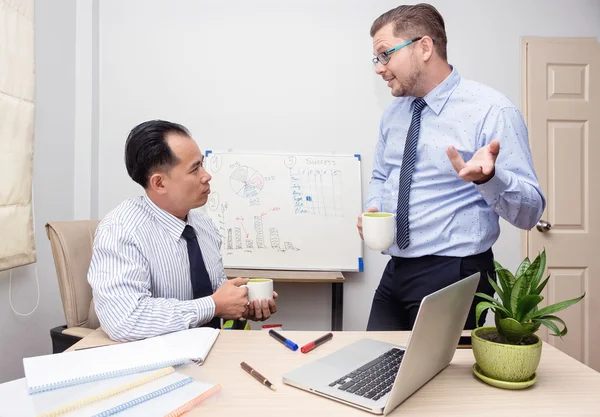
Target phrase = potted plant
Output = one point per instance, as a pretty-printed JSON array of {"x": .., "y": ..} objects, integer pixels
[{"x": 508, "y": 354}]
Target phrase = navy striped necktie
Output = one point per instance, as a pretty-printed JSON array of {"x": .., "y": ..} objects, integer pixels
[
  {"x": 406, "y": 173},
  {"x": 201, "y": 284}
]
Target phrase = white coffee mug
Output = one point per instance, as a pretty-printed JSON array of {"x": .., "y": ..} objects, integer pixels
[
  {"x": 378, "y": 230},
  {"x": 259, "y": 288}
]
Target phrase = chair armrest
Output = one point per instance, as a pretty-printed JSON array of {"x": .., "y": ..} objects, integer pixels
[
  {"x": 60, "y": 341},
  {"x": 80, "y": 332}
]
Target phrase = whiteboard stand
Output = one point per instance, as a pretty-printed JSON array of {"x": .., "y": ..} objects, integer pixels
[{"x": 335, "y": 278}]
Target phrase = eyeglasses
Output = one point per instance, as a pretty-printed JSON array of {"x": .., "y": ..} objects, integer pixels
[{"x": 384, "y": 57}]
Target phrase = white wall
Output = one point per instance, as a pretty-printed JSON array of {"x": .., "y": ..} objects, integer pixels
[
  {"x": 263, "y": 75},
  {"x": 293, "y": 76},
  {"x": 53, "y": 190}
]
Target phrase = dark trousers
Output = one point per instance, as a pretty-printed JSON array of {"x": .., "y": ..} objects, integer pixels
[{"x": 406, "y": 281}]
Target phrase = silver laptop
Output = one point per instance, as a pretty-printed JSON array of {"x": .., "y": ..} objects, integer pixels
[{"x": 377, "y": 376}]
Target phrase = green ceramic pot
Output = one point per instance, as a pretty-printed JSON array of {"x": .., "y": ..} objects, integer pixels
[{"x": 513, "y": 363}]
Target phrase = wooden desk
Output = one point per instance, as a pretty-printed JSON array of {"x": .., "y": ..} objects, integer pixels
[
  {"x": 335, "y": 278},
  {"x": 565, "y": 387}
]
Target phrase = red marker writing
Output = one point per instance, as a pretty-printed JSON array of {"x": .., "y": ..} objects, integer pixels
[{"x": 311, "y": 345}]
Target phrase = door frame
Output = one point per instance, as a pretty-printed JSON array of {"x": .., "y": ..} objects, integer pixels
[{"x": 525, "y": 112}]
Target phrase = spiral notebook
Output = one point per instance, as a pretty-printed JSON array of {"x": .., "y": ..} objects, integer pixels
[
  {"x": 50, "y": 372},
  {"x": 170, "y": 396},
  {"x": 55, "y": 403},
  {"x": 160, "y": 393},
  {"x": 17, "y": 402},
  {"x": 152, "y": 394}
]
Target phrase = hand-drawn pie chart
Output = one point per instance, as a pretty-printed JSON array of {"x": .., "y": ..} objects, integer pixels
[{"x": 246, "y": 182}]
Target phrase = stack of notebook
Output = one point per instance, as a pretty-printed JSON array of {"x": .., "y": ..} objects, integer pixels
[{"x": 131, "y": 379}]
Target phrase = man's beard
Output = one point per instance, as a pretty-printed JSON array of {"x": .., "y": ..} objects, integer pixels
[{"x": 411, "y": 83}]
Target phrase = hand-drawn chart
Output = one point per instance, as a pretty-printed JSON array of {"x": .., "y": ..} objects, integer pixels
[
  {"x": 317, "y": 191},
  {"x": 246, "y": 182},
  {"x": 240, "y": 238},
  {"x": 286, "y": 211}
]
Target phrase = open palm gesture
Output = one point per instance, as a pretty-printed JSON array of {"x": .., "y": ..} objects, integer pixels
[{"x": 480, "y": 168}]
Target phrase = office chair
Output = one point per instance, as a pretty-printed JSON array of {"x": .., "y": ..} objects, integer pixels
[{"x": 71, "y": 243}]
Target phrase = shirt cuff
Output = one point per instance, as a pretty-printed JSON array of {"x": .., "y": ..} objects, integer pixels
[
  {"x": 492, "y": 189},
  {"x": 206, "y": 310}
]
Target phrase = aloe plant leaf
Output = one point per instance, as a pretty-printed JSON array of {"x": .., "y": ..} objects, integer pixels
[
  {"x": 539, "y": 272},
  {"x": 523, "y": 267},
  {"x": 496, "y": 288},
  {"x": 481, "y": 307},
  {"x": 549, "y": 320},
  {"x": 488, "y": 298},
  {"x": 539, "y": 289},
  {"x": 511, "y": 329},
  {"x": 507, "y": 281},
  {"x": 516, "y": 294},
  {"x": 556, "y": 307},
  {"x": 505, "y": 273},
  {"x": 531, "y": 327},
  {"x": 531, "y": 313},
  {"x": 505, "y": 291},
  {"x": 529, "y": 277},
  {"x": 493, "y": 301},
  {"x": 502, "y": 313},
  {"x": 526, "y": 304}
]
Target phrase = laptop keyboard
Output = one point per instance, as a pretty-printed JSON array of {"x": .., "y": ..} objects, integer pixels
[{"x": 374, "y": 379}]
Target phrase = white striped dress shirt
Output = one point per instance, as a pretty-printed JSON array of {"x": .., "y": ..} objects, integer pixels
[{"x": 140, "y": 271}]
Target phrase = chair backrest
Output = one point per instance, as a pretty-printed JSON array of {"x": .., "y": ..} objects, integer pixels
[{"x": 71, "y": 243}]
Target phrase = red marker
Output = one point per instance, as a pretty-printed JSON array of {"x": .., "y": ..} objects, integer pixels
[{"x": 311, "y": 345}]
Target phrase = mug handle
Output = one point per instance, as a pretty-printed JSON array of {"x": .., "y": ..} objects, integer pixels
[{"x": 246, "y": 286}]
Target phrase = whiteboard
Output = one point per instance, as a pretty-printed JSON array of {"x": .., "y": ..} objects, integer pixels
[{"x": 286, "y": 211}]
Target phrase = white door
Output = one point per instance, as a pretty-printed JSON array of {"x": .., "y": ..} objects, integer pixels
[{"x": 561, "y": 92}]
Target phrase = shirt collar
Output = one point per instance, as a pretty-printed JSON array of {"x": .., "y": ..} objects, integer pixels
[
  {"x": 437, "y": 98},
  {"x": 172, "y": 224}
]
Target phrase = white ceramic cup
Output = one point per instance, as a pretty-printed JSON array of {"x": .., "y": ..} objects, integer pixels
[
  {"x": 378, "y": 230},
  {"x": 259, "y": 288}
]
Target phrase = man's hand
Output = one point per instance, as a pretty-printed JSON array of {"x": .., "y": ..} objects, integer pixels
[
  {"x": 359, "y": 223},
  {"x": 231, "y": 299},
  {"x": 260, "y": 310},
  {"x": 478, "y": 169}
]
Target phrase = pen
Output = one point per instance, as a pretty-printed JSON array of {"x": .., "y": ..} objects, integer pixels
[
  {"x": 257, "y": 376},
  {"x": 311, "y": 345},
  {"x": 283, "y": 340}
]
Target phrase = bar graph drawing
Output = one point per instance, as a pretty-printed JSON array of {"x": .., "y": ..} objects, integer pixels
[
  {"x": 258, "y": 227},
  {"x": 240, "y": 239},
  {"x": 229, "y": 239},
  {"x": 274, "y": 233}
]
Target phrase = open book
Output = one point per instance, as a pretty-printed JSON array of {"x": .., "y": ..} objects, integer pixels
[{"x": 49, "y": 372}]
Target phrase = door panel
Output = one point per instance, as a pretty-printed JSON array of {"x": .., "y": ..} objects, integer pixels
[{"x": 562, "y": 109}]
